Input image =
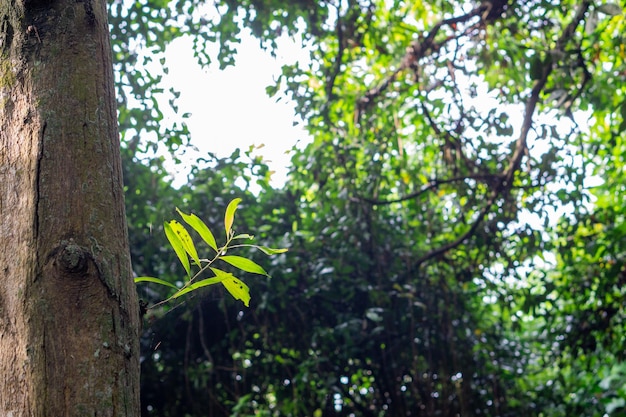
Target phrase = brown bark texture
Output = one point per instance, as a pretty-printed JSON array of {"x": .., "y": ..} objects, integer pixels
[{"x": 69, "y": 320}]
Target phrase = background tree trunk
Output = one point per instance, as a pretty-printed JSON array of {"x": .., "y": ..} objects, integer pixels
[{"x": 68, "y": 307}]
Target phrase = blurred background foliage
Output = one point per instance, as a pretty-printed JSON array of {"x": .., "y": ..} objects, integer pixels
[{"x": 456, "y": 225}]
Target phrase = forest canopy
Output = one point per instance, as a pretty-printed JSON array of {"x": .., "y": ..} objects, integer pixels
[{"x": 455, "y": 227}]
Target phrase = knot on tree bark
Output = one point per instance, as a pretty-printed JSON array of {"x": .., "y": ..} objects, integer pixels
[{"x": 73, "y": 259}]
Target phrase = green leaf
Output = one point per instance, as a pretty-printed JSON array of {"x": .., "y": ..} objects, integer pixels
[
  {"x": 536, "y": 67},
  {"x": 186, "y": 240},
  {"x": 199, "y": 226},
  {"x": 270, "y": 251},
  {"x": 237, "y": 288},
  {"x": 156, "y": 281},
  {"x": 178, "y": 247},
  {"x": 244, "y": 264},
  {"x": 244, "y": 236},
  {"x": 229, "y": 217},
  {"x": 199, "y": 284}
]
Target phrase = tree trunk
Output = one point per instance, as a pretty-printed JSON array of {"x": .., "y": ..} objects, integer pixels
[{"x": 69, "y": 342}]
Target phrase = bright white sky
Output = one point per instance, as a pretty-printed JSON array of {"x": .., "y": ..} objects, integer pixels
[{"x": 230, "y": 109}]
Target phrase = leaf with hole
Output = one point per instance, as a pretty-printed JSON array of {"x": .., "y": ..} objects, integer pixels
[
  {"x": 234, "y": 286},
  {"x": 186, "y": 240},
  {"x": 178, "y": 247}
]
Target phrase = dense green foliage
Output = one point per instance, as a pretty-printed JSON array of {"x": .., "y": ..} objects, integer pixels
[{"x": 456, "y": 227}]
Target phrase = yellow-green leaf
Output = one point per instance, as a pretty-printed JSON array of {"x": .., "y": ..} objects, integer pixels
[
  {"x": 199, "y": 284},
  {"x": 186, "y": 240},
  {"x": 244, "y": 236},
  {"x": 229, "y": 217},
  {"x": 238, "y": 290},
  {"x": 244, "y": 264},
  {"x": 178, "y": 247},
  {"x": 199, "y": 226},
  {"x": 234, "y": 286},
  {"x": 156, "y": 281},
  {"x": 271, "y": 251}
]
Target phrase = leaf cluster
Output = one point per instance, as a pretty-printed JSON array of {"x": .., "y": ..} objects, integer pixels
[{"x": 185, "y": 249}]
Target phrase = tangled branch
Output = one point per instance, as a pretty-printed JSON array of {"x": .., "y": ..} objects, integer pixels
[{"x": 500, "y": 184}]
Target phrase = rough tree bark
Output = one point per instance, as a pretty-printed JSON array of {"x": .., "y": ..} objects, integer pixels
[{"x": 68, "y": 309}]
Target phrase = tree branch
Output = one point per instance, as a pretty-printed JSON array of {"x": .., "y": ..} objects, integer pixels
[
  {"x": 520, "y": 146},
  {"x": 488, "y": 178},
  {"x": 418, "y": 49}
]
